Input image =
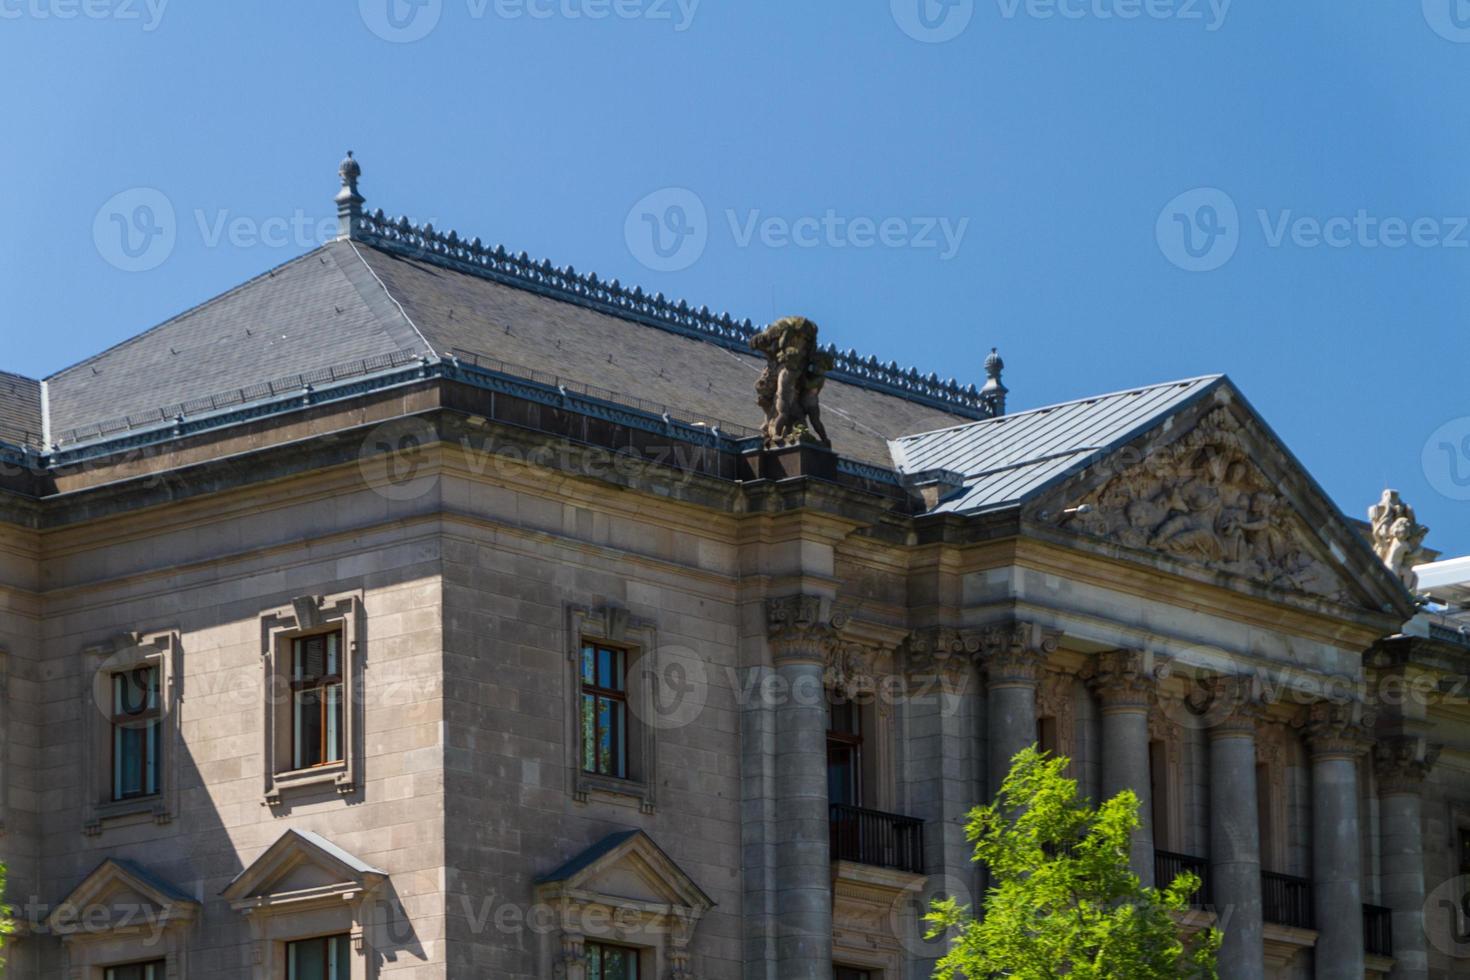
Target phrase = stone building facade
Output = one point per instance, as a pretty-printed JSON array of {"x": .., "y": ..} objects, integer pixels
[{"x": 498, "y": 636}]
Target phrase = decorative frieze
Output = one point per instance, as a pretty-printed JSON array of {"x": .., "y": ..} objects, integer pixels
[{"x": 1402, "y": 762}]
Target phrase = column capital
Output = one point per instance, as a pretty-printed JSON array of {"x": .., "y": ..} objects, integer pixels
[
  {"x": 940, "y": 650},
  {"x": 1232, "y": 704},
  {"x": 1336, "y": 729},
  {"x": 1123, "y": 680},
  {"x": 1401, "y": 763},
  {"x": 797, "y": 632},
  {"x": 1014, "y": 653}
]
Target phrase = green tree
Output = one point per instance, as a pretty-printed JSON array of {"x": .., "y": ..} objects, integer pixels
[
  {"x": 6, "y": 925},
  {"x": 1062, "y": 901}
]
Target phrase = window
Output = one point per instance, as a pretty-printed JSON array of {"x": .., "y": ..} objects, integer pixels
[
  {"x": 1265, "y": 825},
  {"x": 1465, "y": 850},
  {"x": 611, "y": 962},
  {"x": 848, "y": 973},
  {"x": 136, "y": 727},
  {"x": 313, "y": 697},
  {"x": 844, "y": 753},
  {"x": 316, "y": 700},
  {"x": 1046, "y": 736},
  {"x": 1158, "y": 775},
  {"x": 327, "y": 958},
  {"x": 605, "y": 711},
  {"x": 153, "y": 970}
]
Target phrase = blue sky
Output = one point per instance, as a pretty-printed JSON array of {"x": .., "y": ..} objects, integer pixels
[{"x": 1114, "y": 192}]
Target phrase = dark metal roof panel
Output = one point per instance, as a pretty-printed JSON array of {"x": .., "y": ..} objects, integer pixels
[{"x": 20, "y": 409}]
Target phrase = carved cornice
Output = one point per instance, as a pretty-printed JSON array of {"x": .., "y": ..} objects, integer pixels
[
  {"x": 425, "y": 243},
  {"x": 1402, "y": 762},
  {"x": 1123, "y": 680},
  {"x": 1336, "y": 729},
  {"x": 797, "y": 632}
]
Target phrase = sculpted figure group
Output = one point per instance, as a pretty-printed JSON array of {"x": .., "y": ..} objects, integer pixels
[
  {"x": 789, "y": 389},
  {"x": 1398, "y": 537},
  {"x": 1200, "y": 497}
]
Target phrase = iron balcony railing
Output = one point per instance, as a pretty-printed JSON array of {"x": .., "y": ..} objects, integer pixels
[
  {"x": 1377, "y": 930},
  {"x": 1287, "y": 901},
  {"x": 1168, "y": 866},
  {"x": 884, "y": 840}
]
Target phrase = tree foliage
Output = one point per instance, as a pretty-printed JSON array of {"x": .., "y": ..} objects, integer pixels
[
  {"x": 7, "y": 927},
  {"x": 1062, "y": 901}
]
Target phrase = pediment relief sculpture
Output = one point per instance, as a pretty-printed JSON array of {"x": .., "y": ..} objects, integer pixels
[{"x": 1201, "y": 498}]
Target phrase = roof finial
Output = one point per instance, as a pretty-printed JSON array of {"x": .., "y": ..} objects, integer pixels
[
  {"x": 994, "y": 392},
  {"x": 349, "y": 201}
]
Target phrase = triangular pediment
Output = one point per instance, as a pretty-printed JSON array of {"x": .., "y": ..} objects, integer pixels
[
  {"x": 627, "y": 868},
  {"x": 302, "y": 866},
  {"x": 1213, "y": 490},
  {"x": 125, "y": 897}
]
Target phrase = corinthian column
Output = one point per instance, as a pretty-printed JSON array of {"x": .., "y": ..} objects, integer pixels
[
  {"x": 1336, "y": 736},
  {"x": 1124, "y": 686},
  {"x": 799, "y": 641},
  {"x": 1401, "y": 763},
  {"x": 1013, "y": 657},
  {"x": 1235, "y": 845}
]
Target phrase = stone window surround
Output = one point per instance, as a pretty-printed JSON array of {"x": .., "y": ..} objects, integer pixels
[
  {"x": 614, "y": 626},
  {"x": 310, "y": 616},
  {"x": 101, "y": 661},
  {"x": 91, "y": 950}
]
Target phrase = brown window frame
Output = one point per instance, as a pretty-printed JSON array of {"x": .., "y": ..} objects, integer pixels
[
  {"x": 344, "y": 948},
  {"x": 618, "y": 697},
  {"x": 320, "y": 683},
  {"x": 151, "y": 715},
  {"x": 160, "y": 969},
  {"x": 635, "y": 953},
  {"x": 849, "y": 741}
]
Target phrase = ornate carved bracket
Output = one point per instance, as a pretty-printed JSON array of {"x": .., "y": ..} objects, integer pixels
[
  {"x": 797, "y": 631},
  {"x": 1124, "y": 680},
  {"x": 1336, "y": 729},
  {"x": 1402, "y": 762}
]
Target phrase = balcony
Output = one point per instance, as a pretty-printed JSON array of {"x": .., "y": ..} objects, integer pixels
[
  {"x": 1377, "y": 930},
  {"x": 1287, "y": 901},
  {"x": 884, "y": 840},
  {"x": 1168, "y": 866}
]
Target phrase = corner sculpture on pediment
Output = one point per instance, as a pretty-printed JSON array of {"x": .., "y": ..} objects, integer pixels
[
  {"x": 789, "y": 389},
  {"x": 1398, "y": 537},
  {"x": 1202, "y": 498}
]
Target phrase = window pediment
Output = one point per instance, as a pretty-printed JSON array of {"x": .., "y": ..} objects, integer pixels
[
  {"x": 302, "y": 869},
  {"x": 121, "y": 898}
]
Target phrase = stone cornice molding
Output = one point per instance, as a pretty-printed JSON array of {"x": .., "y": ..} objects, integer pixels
[
  {"x": 1014, "y": 654},
  {"x": 1402, "y": 762},
  {"x": 797, "y": 631},
  {"x": 1124, "y": 680},
  {"x": 1336, "y": 729}
]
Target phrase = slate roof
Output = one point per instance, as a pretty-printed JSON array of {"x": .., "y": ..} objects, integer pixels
[
  {"x": 325, "y": 313},
  {"x": 20, "y": 409},
  {"x": 1008, "y": 459}
]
